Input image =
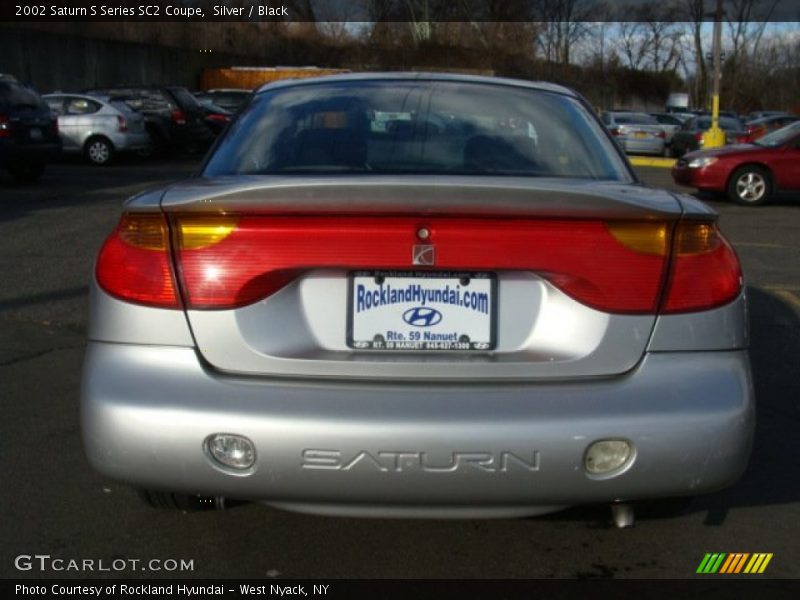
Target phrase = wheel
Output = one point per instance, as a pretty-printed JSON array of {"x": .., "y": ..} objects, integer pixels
[
  {"x": 170, "y": 500},
  {"x": 98, "y": 151},
  {"x": 750, "y": 186},
  {"x": 26, "y": 172}
]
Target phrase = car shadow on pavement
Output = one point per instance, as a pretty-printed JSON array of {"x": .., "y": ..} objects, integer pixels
[
  {"x": 71, "y": 183},
  {"x": 774, "y": 470}
]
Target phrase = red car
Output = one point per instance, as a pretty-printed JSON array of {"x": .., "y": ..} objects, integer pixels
[
  {"x": 749, "y": 173},
  {"x": 761, "y": 127}
]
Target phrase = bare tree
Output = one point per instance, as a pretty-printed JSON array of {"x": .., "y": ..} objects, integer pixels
[
  {"x": 562, "y": 25},
  {"x": 632, "y": 43},
  {"x": 694, "y": 11},
  {"x": 746, "y": 22}
]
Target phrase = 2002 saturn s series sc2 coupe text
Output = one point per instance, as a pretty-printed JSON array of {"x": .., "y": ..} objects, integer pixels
[{"x": 417, "y": 295}]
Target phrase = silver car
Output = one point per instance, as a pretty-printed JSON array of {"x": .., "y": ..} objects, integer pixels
[
  {"x": 670, "y": 123},
  {"x": 420, "y": 296},
  {"x": 97, "y": 127},
  {"x": 637, "y": 133}
]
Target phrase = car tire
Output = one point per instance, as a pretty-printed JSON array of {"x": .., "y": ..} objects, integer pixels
[
  {"x": 98, "y": 151},
  {"x": 750, "y": 186},
  {"x": 173, "y": 501},
  {"x": 26, "y": 173}
]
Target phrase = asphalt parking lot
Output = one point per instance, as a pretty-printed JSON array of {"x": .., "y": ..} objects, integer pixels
[{"x": 55, "y": 504}]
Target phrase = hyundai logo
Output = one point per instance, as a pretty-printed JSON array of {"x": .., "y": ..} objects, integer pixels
[{"x": 422, "y": 316}]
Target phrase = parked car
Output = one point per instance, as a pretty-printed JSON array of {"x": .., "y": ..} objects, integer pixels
[
  {"x": 96, "y": 127},
  {"x": 174, "y": 118},
  {"x": 749, "y": 173},
  {"x": 760, "y": 114},
  {"x": 417, "y": 295},
  {"x": 216, "y": 117},
  {"x": 760, "y": 127},
  {"x": 230, "y": 99},
  {"x": 690, "y": 136},
  {"x": 637, "y": 133},
  {"x": 28, "y": 131},
  {"x": 670, "y": 123}
]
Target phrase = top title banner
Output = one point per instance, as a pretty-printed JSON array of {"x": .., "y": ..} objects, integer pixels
[{"x": 400, "y": 10}]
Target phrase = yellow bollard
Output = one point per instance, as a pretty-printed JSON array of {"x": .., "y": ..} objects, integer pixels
[{"x": 714, "y": 137}]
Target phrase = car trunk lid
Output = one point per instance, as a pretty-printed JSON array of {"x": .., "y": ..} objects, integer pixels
[{"x": 298, "y": 247}]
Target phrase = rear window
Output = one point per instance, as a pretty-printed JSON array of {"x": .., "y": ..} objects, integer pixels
[
  {"x": 416, "y": 127},
  {"x": 14, "y": 96},
  {"x": 185, "y": 98},
  {"x": 667, "y": 120},
  {"x": 725, "y": 123},
  {"x": 635, "y": 119},
  {"x": 138, "y": 99},
  {"x": 122, "y": 107}
]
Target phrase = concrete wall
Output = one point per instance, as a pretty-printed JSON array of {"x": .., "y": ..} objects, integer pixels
[{"x": 50, "y": 61}]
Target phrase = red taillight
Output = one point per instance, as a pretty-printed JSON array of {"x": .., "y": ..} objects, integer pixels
[
  {"x": 705, "y": 270},
  {"x": 122, "y": 124},
  {"x": 227, "y": 262},
  {"x": 614, "y": 131},
  {"x": 5, "y": 126},
  {"x": 54, "y": 125},
  {"x": 218, "y": 118},
  {"x": 615, "y": 267},
  {"x": 134, "y": 262},
  {"x": 662, "y": 134},
  {"x": 178, "y": 117},
  {"x": 699, "y": 136}
]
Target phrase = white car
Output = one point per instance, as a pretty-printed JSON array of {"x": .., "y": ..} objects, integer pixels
[{"x": 97, "y": 127}]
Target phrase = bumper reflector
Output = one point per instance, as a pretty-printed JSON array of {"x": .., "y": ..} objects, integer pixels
[
  {"x": 232, "y": 451},
  {"x": 607, "y": 455}
]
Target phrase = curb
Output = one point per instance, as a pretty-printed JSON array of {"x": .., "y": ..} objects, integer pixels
[{"x": 646, "y": 161}]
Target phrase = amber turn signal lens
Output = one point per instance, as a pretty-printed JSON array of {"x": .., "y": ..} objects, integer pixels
[
  {"x": 200, "y": 232},
  {"x": 696, "y": 238},
  {"x": 644, "y": 237},
  {"x": 146, "y": 231}
]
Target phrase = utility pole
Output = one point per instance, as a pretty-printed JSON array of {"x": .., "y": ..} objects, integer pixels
[{"x": 715, "y": 137}]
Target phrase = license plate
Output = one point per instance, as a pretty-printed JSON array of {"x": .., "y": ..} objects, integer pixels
[
  {"x": 421, "y": 311},
  {"x": 640, "y": 134},
  {"x": 36, "y": 133}
]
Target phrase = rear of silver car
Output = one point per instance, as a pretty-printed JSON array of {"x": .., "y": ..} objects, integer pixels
[
  {"x": 637, "y": 133},
  {"x": 642, "y": 139},
  {"x": 98, "y": 127},
  {"x": 302, "y": 341}
]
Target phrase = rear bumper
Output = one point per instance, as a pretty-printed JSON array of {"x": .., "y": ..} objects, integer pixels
[
  {"x": 410, "y": 449},
  {"x": 195, "y": 134},
  {"x": 125, "y": 142},
  {"x": 646, "y": 146},
  {"x": 14, "y": 153}
]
